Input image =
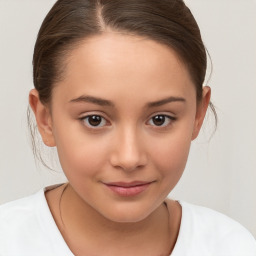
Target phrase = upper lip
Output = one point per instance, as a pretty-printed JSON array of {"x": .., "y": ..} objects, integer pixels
[{"x": 128, "y": 184}]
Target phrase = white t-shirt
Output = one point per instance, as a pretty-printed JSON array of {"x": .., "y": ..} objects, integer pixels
[{"x": 27, "y": 228}]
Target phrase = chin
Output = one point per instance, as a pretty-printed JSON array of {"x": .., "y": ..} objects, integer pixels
[
  {"x": 127, "y": 214},
  {"x": 126, "y": 218}
]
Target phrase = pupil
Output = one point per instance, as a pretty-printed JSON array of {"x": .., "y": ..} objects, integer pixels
[
  {"x": 94, "y": 120},
  {"x": 159, "y": 120}
]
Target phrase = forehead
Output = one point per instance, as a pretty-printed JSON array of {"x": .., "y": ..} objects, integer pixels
[{"x": 119, "y": 64}]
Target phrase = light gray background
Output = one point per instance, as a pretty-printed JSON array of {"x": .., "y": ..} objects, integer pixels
[{"x": 221, "y": 173}]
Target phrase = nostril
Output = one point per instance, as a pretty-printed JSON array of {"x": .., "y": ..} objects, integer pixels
[
  {"x": 128, "y": 163},
  {"x": 128, "y": 151}
]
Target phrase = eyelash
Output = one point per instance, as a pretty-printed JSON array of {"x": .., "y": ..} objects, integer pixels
[
  {"x": 170, "y": 119},
  {"x": 100, "y": 118},
  {"x": 86, "y": 121}
]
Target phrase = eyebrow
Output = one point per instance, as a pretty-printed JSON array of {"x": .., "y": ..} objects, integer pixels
[
  {"x": 165, "y": 101},
  {"x": 104, "y": 102},
  {"x": 94, "y": 100}
]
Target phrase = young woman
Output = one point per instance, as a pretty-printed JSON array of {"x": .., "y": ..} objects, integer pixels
[{"x": 118, "y": 91}]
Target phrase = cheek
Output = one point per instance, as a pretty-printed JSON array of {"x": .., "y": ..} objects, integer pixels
[
  {"x": 80, "y": 154},
  {"x": 170, "y": 154},
  {"x": 170, "y": 161}
]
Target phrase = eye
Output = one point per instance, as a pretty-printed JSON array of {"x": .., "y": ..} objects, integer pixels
[
  {"x": 94, "y": 121},
  {"x": 161, "y": 120}
]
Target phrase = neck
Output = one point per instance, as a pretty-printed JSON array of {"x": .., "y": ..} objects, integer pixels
[
  {"x": 77, "y": 212},
  {"x": 80, "y": 223}
]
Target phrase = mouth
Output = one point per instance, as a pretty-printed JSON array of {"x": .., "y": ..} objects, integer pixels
[{"x": 128, "y": 189}]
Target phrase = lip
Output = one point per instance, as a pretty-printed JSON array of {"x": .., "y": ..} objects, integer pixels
[{"x": 128, "y": 189}]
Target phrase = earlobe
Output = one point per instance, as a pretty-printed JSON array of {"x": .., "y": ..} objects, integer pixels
[
  {"x": 43, "y": 118},
  {"x": 201, "y": 111}
]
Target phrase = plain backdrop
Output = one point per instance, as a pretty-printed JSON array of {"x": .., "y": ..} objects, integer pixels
[{"x": 221, "y": 171}]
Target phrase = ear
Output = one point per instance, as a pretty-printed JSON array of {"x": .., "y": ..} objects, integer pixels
[
  {"x": 201, "y": 111},
  {"x": 43, "y": 118}
]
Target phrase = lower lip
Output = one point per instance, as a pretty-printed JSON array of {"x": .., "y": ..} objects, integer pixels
[{"x": 128, "y": 191}]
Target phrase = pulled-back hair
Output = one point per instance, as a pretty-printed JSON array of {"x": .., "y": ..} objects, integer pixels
[{"x": 69, "y": 22}]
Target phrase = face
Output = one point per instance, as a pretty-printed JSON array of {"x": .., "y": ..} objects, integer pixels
[{"x": 122, "y": 120}]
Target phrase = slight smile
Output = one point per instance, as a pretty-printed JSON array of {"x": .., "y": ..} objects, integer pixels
[{"x": 127, "y": 189}]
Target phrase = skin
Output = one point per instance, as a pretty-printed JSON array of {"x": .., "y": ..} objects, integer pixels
[{"x": 129, "y": 72}]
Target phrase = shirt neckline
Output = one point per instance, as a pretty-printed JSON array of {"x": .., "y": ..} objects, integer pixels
[
  {"x": 48, "y": 223},
  {"x": 176, "y": 248}
]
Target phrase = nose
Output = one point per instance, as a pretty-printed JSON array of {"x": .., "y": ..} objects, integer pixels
[{"x": 128, "y": 151}]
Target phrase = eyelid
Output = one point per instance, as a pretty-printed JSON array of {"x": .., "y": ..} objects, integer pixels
[
  {"x": 172, "y": 119},
  {"x": 163, "y": 113},
  {"x": 94, "y": 113}
]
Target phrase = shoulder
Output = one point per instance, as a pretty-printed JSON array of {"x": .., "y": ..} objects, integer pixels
[
  {"x": 223, "y": 234},
  {"x": 16, "y": 211},
  {"x": 27, "y": 228},
  {"x": 214, "y": 232},
  {"x": 20, "y": 225},
  {"x": 25, "y": 209}
]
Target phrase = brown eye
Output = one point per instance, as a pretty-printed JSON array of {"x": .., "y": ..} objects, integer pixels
[
  {"x": 94, "y": 121},
  {"x": 161, "y": 120},
  {"x": 158, "y": 120}
]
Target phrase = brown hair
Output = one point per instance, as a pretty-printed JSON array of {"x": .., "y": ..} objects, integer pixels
[{"x": 169, "y": 22}]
